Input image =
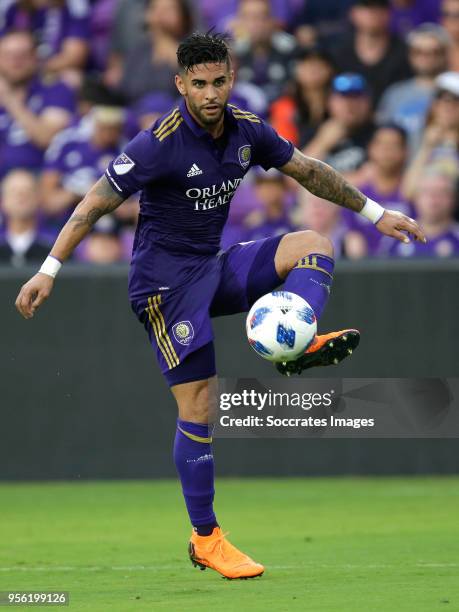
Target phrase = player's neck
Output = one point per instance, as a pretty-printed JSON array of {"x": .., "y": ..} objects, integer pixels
[{"x": 216, "y": 130}]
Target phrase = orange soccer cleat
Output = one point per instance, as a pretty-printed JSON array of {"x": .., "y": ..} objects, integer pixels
[
  {"x": 328, "y": 349},
  {"x": 216, "y": 552}
]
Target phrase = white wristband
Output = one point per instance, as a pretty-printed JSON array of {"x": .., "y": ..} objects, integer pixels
[
  {"x": 51, "y": 266},
  {"x": 372, "y": 211}
]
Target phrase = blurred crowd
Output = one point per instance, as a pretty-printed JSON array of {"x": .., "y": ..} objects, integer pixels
[{"x": 369, "y": 86}]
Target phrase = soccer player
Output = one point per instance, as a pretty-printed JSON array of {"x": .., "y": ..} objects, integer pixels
[{"x": 188, "y": 166}]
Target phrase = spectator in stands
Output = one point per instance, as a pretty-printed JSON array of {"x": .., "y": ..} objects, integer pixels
[
  {"x": 21, "y": 241},
  {"x": 273, "y": 218},
  {"x": 406, "y": 15},
  {"x": 32, "y": 111},
  {"x": 221, "y": 14},
  {"x": 342, "y": 140},
  {"x": 151, "y": 65},
  {"x": 92, "y": 92},
  {"x": 387, "y": 154},
  {"x": 247, "y": 95},
  {"x": 264, "y": 54},
  {"x": 103, "y": 244},
  {"x": 316, "y": 214},
  {"x": 147, "y": 110},
  {"x": 371, "y": 49},
  {"x": 60, "y": 27},
  {"x": 440, "y": 141},
  {"x": 321, "y": 21},
  {"x": 435, "y": 201},
  {"x": 450, "y": 21},
  {"x": 128, "y": 30},
  {"x": 407, "y": 102},
  {"x": 102, "y": 20},
  {"x": 298, "y": 116},
  {"x": 75, "y": 163}
]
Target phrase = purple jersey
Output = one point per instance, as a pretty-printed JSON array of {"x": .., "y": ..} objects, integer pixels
[
  {"x": 50, "y": 25},
  {"x": 443, "y": 245},
  {"x": 355, "y": 222},
  {"x": 187, "y": 180},
  {"x": 79, "y": 162},
  {"x": 16, "y": 149}
]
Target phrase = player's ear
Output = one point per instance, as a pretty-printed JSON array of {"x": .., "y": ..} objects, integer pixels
[
  {"x": 180, "y": 84},
  {"x": 231, "y": 76}
]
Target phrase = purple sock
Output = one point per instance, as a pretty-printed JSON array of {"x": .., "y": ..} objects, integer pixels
[
  {"x": 311, "y": 279},
  {"x": 195, "y": 464}
]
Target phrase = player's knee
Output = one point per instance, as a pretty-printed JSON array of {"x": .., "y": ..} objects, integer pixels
[
  {"x": 196, "y": 401},
  {"x": 317, "y": 243},
  {"x": 309, "y": 242},
  {"x": 297, "y": 245}
]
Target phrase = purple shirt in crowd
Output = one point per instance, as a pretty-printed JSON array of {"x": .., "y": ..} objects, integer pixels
[
  {"x": 79, "y": 163},
  {"x": 403, "y": 20},
  {"x": 101, "y": 24},
  {"x": 443, "y": 245},
  {"x": 188, "y": 180},
  {"x": 51, "y": 25},
  {"x": 355, "y": 222},
  {"x": 219, "y": 14},
  {"x": 79, "y": 160},
  {"x": 16, "y": 149}
]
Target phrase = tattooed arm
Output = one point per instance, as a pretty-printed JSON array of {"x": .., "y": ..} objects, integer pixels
[
  {"x": 100, "y": 200},
  {"x": 323, "y": 181}
]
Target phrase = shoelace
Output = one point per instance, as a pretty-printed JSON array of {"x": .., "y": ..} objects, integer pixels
[{"x": 219, "y": 542}]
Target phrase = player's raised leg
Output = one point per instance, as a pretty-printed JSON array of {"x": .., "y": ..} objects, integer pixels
[
  {"x": 305, "y": 260},
  {"x": 208, "y": 546}
]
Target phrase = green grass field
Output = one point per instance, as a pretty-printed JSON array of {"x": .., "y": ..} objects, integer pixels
[{"x": 328, "y": 544}]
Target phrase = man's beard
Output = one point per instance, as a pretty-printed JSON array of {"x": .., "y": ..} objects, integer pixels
[{"x": 209, "y": 120}]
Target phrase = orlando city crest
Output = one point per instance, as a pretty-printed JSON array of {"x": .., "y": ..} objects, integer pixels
[
  {"x": 183, "y": 332},
  {"x": 245, "y": 155}
]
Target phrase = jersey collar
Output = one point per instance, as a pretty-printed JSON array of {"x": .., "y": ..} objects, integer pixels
[{"x": 195, "y": 127}]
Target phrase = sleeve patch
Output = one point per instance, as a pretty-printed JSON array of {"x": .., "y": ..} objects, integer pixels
[{"x": 122, "y": 164}]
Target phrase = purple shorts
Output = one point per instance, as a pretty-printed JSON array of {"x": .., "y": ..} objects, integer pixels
[{"x": 178, "y": 319}]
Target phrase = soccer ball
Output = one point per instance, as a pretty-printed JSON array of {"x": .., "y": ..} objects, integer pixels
[{"x": 280, "y": 326}]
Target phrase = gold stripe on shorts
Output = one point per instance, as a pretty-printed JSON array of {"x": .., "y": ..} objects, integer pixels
[
  {"x": 163, "y": 332},
  {"x": 156, "y": 326}
]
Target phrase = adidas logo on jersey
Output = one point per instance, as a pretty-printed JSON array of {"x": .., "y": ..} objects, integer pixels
[{"x": 194, "y": 171}]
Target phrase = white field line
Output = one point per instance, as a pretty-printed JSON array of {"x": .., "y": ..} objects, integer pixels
[{"x": 168, "y": 568}]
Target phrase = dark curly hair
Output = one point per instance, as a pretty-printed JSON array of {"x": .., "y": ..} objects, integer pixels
[{"x": 199, "y": 48}]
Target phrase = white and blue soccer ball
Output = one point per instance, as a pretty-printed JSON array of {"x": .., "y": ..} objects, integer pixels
[{"x": 280, "y": 326}]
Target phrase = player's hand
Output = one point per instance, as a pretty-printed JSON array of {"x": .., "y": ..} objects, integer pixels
[
  {"x": 394, "y": 224},
  {"x": 33, "y": 294}
]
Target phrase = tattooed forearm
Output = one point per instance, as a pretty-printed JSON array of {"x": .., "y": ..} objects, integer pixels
[
  {"x": 101, "y": 192},
  {"x": 89, "y": 218},
  {"x": 321, "y": 180},
  {"x": 100, "y": 200}
]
